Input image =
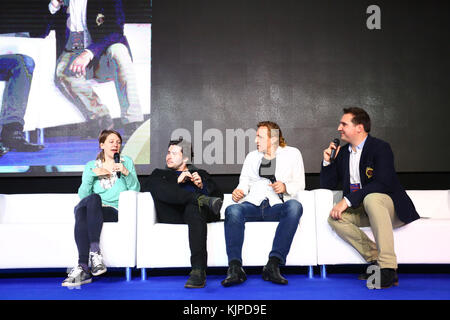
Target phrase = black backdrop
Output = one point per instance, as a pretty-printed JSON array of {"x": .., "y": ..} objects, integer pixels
[{"x": 230, "y": 64}]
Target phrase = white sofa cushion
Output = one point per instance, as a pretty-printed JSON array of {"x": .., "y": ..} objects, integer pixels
[
  {"x": 37, "y": 231},
  {"x": 431, "y": 203},
  {"x": 38, "y": 208},
  {"x": 422, "y": 241},
  {"x": 166, "y": 245}
]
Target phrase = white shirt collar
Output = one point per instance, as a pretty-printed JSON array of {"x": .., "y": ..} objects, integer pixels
[{"x": 359, "y": 147}]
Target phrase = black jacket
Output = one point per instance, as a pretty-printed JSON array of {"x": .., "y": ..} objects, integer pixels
[{"x": 169, "y": 196}]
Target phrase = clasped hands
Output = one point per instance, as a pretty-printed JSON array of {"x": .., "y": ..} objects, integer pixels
[
  {"x": 117, "y": 167},
  {"x": 194, "y": 177}
]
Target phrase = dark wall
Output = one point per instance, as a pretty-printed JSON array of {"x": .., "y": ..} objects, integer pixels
[{"x": 230, "y": 64}]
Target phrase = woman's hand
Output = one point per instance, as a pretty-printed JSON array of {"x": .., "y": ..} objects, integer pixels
[
  {"x": 119, "y": 167},
  {"x": 101, "y": 172}
]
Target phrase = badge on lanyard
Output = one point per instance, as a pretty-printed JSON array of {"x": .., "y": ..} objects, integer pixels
[{"x": 354, "y": 187}]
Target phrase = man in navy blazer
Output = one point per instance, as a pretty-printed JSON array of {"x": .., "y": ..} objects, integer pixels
[
  {"x": 91, "y": 44},
  {"x": 373, "y": 195}
]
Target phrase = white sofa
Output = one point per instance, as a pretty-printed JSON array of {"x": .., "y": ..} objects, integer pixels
[
  {"x": 37, "y": 231},
  {"x": 162, "y": 245},
  {"x": 423, "y": 241}
]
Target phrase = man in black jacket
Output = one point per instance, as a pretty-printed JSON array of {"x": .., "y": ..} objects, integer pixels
[
  {"x": 184, "y": 194},
  {"x": 373, "y": 195}
]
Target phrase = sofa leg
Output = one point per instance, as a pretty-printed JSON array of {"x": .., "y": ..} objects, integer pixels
[
  {"x": 310, "y": 272},
  {"x": 143, "y": 274},
  {"x": 323, "y": 271},
  {"x": 40, "y": 136},
  {"x": 128, "y": 274}
]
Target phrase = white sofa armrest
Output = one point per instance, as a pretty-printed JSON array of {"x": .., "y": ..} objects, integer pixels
[
  {"x": 128, "y": 207},
  {"x": 146, "y": 210},
  {"x": 146, "y": 222},
  {"x": 118, "y": 240}
]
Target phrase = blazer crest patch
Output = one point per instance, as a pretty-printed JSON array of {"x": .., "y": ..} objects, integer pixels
[
  {"x": 100, "y": 19},
  {"x": 369, "y": 172}
]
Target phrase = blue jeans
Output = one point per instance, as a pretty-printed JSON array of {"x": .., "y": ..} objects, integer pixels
[
  {"x": 288, "y": 214},
  {"x": 17, "y": 71}
]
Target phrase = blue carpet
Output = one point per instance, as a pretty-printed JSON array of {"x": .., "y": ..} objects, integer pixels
[{"x": 336, "y": 286}]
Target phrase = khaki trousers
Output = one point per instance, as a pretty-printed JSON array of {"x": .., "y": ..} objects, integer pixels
[{"x": 378, "y": 213}]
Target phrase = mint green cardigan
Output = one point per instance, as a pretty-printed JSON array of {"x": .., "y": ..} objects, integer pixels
[{"x": 90, "y": 183}]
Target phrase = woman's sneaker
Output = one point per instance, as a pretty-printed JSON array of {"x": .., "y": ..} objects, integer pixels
[
  {"x": 76, "y": 277},
  {"x": 97, "y": 266}
]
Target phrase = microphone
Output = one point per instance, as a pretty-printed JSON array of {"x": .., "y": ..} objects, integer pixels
[
  {"x": 117, "y": 160},
  {"x": 273, "y": 180},
  {"x": 333, "y": 151}
]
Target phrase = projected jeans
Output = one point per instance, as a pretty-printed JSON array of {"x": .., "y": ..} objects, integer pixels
[
  {"x": 17, "y": 71},
  {"x": 114, "y": 65},
  {"x": 288, "y": 214}
]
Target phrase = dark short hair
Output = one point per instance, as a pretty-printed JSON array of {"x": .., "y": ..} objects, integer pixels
[
  {"x": 184, "y": 144},
  {"x": 360, "y": 116}
]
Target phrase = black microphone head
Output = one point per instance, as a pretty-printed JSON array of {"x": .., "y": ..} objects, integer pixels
[
  {"x": 333, "y": 151},
  {"x": 336, "y": 142},
  {"x": 116, "y": 157}
]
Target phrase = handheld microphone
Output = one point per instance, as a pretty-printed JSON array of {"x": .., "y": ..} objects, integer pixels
[
  {"x": 333, "y": 151},
  {"x": 117, "y": 160},
  {"x": 273, "y": 180}
]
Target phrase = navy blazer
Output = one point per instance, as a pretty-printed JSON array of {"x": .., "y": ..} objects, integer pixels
[
  {"x": 377, "y": 173},
  {"x": 105, "y": 20}
]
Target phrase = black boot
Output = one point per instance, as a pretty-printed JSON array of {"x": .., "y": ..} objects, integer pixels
[
  {"x": 197, "y": 279},
  {"x": 235, "y": 274},
  {"x": 213, "y": 203},
  {"x": 95, "y": 126},
  {"x": 367, "y": 274},
  {"x": 383, "y": 278},
  {"x": 12, "y": 138},
  {"x": 389, "y": 278},
  {"x": 271, "y": 272}
]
